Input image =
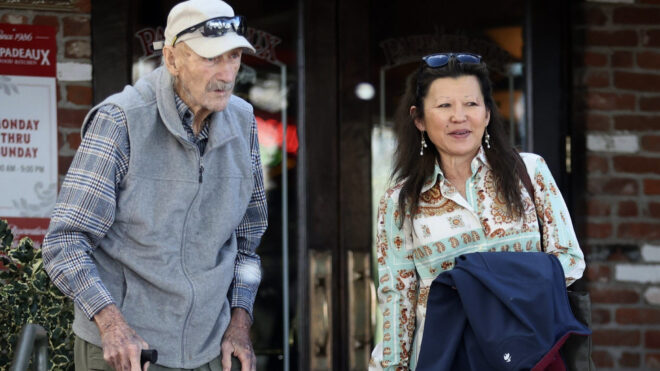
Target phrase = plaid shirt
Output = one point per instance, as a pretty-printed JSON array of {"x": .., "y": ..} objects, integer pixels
[{"x": 86, "y": 209}]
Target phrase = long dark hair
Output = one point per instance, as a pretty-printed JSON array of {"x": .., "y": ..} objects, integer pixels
[{"x": 413, "y": 170}]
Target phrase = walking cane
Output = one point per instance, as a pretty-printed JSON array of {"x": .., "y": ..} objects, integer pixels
[{"x": 148, "y": 355}]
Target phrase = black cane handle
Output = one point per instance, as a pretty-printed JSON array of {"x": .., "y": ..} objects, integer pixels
[{"x": 148, "y": 355}]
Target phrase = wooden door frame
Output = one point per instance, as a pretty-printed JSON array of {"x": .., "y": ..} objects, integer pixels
[
  {"x": 548, "y": 89},
  {"x": 111, "y": 47},
  {"x": 337, "y": 146}
]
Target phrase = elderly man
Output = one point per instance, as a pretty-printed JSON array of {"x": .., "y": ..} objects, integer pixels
[{"x": 156, "y": 226}]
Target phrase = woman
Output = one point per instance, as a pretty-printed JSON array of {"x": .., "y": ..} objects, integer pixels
[{"x": 457, "y": 191}]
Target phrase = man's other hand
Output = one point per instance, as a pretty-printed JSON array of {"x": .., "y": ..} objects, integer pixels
[
  {"x": 236, "y": 342},
  {"x": 121, "y": 344}
]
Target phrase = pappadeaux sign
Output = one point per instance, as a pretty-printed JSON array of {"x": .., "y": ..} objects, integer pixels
[
  {"x": 28, "y": 128},
  {"x": 27, "y": 50},
  {"x": 264, "y": 43}
]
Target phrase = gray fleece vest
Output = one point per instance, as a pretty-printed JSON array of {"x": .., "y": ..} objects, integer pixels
[{"x": 168, "y": 259}]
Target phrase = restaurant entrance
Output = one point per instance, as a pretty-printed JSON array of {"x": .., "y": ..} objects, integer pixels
[{"x": 324, "y": 83}]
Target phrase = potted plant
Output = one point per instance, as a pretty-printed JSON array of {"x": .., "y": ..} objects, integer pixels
[{"x": 28, "y": 296}]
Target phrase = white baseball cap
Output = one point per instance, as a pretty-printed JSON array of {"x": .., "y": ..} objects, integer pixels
[{"x": 194, "y": 13}]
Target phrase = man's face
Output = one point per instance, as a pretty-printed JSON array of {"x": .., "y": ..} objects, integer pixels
[{"x": 204, "y": 83}]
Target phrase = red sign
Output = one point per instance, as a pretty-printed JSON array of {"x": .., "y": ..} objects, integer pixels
[
  {"x": 27, "y": 50},
  {"x": 28, "y": 64}
]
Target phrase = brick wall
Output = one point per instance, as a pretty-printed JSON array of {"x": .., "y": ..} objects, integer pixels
[
  {"x": 74, "y": 69},
  {"x": 617, "y": 89}
]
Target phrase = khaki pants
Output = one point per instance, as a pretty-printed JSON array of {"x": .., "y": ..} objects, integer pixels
[{"x": 88, "y": 356}]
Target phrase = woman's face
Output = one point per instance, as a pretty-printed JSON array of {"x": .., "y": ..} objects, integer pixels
[{"x": 454, "y": 116}]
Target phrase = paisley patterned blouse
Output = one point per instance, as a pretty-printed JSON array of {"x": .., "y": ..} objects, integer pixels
[{"x": 448, "y": 225}]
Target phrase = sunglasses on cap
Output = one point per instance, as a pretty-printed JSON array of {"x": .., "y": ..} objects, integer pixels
[
  {"x": 441, "y": 59},
  {"x": 215, "y": 27}
]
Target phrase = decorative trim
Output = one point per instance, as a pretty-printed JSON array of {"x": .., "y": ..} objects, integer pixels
[{"x": 40, "y": 4}]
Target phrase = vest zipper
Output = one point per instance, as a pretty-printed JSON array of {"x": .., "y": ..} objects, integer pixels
[{"x": 183, "y": 263}]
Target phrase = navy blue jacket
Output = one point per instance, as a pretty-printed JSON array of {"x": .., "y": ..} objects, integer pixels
[{"x": 498, "y": 311}]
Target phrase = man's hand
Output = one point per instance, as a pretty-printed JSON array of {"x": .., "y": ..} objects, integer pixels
[
  {"x": 236, "y": 341},
  {"x": 121, "y": 344}
]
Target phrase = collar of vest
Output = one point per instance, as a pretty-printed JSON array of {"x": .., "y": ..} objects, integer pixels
[{"x": 223, "y": 125}]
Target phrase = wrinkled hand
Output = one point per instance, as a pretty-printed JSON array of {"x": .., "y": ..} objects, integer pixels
[
  {"x": 121, "y": 344},
  {"x": 236, "y": 342}
]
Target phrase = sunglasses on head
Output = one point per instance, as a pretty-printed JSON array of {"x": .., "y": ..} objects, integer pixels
[
  {"x": 441, "y": 59},
  {"x": 215, "y": 27}
]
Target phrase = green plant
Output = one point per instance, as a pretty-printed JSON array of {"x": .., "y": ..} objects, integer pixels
[{"x": 28, "y": 296}]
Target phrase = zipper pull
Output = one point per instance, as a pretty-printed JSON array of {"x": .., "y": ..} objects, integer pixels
[{"x": 201, "y": 172}]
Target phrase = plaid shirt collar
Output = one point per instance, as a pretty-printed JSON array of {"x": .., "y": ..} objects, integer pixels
[{"x": 186, "y": 115}]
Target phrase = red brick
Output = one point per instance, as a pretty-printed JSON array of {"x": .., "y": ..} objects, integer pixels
[
  {"x": 649, "y": 60},
  {"x": 599, "y": 230},
  {"x": 598, "y": 273},
  {"x": 639, "y": 231},
  {"x": 600, "y": 316},
  {"x": 630, "y": 360},
  {"x": 79, "y": 94},
  {"x": 594, "y": 59},
  {"x": 636, "y": 164},
  {"x": 628, "y": 208},
  {"x": 616, "y": 337},
  {"x": 613, "y": 296},
  {"x": 622, "y": 59},
  {"x": 636, "y": 15},
  {"x": 637, "y": 316},
  {"x": 598, "y": 208},
  {"x": 651, "y": 187},
  {"x": 84, "y": 6},
  {"x": 652, "y": 339},
  {"x": 652, "y": 360},
  {"x": 76, "y": 26},
  {"x": 597, "y": 164},
  {"x": 63, "y": 163},
  {"x": 612, "y": 186},
  {"x": 78, "y": 49},
  {"x": 649, "y": 103},
  {"x": 651, "y": 143},
  {"x": 618, "y": 256},
  {"x": 598, "y": 122},
  {"x": 651, "y": 38},
  {"x": 637, "y": 122},
  {"x": 602, "y": 359},
  {"x": 74, "y": 140},
  {"x": 620, "y": 186},
  {"x": 14, "y": 18},
  {"x": 637, "y": 81},
  {"x": 654, "y": 209},
  {"x": 611, "y": 38},
  {"x": 47, "y": 20},
  {"x": 70, "y": 118},
  {"x": 596, "y": 79},
  {"x": 610, "y": 101}
]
